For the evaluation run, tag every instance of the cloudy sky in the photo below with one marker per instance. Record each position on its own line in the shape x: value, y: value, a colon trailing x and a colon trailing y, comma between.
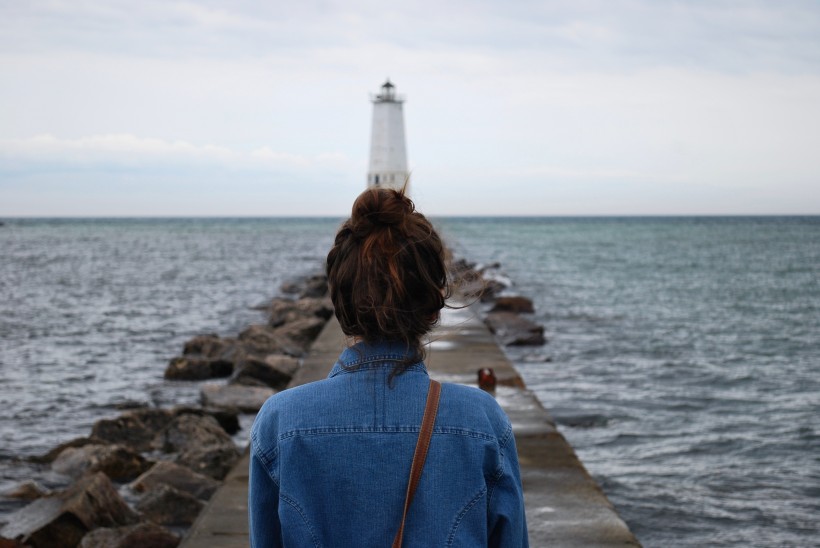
x: 588, y: 107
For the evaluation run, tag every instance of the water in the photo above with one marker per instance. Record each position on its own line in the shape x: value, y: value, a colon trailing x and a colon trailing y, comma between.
x: 684, y: 367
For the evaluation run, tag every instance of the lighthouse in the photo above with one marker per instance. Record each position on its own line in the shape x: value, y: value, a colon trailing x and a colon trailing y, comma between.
x: 388, y: 153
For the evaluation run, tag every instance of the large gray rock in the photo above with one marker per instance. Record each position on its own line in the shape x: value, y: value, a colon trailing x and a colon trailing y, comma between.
x: 213, y: 460
x: 61, y: 521
x: 227, y: 417
x: 197, y: 368
x: 55, y: 452
x: 177, y: 476
x: 189, y: 430
x: 513, y: 304
x: 142, y: 535
x: 154, y: 418
x: 202, y: 445
x: 513, y: 330
x: 115, y: 461
x: 127, y: 429
x: 263, y: 340
x: 248, y: 399
x: 282, y: 311
x: 168, y: 506
x: 301, y: 332
x: 209, y: 346
x: 315, y: 286
x: 28, y: 490
x: 273, y: 370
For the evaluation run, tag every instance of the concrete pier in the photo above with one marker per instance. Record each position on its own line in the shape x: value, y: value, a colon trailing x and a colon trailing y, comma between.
x: 565, y: 507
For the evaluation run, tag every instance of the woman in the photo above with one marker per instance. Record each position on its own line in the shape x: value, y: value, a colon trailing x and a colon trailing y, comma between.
x: 330, y: 460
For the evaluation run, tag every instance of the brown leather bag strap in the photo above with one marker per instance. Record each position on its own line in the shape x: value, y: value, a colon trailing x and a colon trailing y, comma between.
x: 420, y: 455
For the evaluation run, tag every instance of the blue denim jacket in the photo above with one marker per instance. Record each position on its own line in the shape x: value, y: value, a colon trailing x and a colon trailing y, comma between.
x: 330, y: 462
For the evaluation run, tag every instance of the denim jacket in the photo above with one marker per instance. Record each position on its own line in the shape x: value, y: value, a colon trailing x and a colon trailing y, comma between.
x: 330, y: 460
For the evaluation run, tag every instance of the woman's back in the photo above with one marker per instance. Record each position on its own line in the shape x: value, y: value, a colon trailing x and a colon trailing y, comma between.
x: 339, y: 453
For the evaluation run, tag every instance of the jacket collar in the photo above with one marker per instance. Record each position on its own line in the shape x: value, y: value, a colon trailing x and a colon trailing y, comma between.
x: 363, y: 356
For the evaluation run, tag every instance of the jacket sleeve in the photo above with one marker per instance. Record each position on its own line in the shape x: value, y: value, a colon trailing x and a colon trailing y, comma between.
x: 263, y: 501
x: 506, y: 520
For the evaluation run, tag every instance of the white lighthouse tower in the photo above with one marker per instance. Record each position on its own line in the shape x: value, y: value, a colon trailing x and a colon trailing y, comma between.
x: 388, y: 153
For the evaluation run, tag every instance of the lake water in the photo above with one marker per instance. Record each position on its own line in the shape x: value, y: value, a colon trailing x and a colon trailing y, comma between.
x: 684, y: 353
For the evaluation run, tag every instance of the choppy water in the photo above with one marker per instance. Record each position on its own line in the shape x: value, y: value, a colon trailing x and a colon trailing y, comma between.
x: 685, y: 352
x: 685, y: 365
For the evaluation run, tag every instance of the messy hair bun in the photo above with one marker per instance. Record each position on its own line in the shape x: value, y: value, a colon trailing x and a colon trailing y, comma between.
x: 386, y: 272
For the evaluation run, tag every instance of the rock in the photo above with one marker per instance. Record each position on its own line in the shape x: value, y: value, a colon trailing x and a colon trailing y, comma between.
x: 227, y: 417
x: 274, y: 370
x: 28, y: 490
x: 127, y: 429
x: 513, y: 330
x: 62, y: 520
x: 208, y: 346
x: 153, y: 418
x: 283, y: 311
x: 290, y: 287
x: 196, y: 368
x: 142, y: 535
x: 115, y: 461
x: 54, y: 453
x: 189, y: 430
x: 248, y: 381
x: 315, y: 286
x: 44, y: 524
x: 301, y: 332
x: 263, y: 340
x: 202, y: 445
x: 513, y: 304
x: 179, y: 477
x: 212, y: 461
x: 248, y: 399
x: 168, y: 506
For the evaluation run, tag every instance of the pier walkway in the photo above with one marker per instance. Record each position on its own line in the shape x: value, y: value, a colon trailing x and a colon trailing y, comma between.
x: 564, y: 505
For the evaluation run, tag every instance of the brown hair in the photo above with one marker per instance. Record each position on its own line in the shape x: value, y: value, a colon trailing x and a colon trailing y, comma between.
x: 386, y: 272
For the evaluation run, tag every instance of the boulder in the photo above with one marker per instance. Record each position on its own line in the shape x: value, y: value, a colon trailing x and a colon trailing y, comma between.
x: 227, y: 417
x: 154, y: 418
x: 263, y: 340
x: 127, y: 429
x: 197, y: 368
x: 301, y: 332
x: 62, y: 520
x: 208, y: 346
x: 202, y: 445
x: 142, y: 535
x: 189, y: 430
x: 54, y: 453
x: 315, y: 286
x: 214, y: 461
x: 168, y: 506
x: 179, y: 477
x: 115, y: 461
x: 283, y: 311
x: 248, y: 399
x: 28, y: 490
x: 274, y: 370
x: 513, y: 304
x: 291, y: 287
x: 513, y: 330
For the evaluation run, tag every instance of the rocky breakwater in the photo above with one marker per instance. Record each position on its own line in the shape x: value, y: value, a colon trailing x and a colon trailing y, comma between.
x: 141, y: 478
x: 507, y: 316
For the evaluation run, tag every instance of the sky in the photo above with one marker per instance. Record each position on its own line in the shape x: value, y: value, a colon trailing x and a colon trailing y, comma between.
x: 247, y: 108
